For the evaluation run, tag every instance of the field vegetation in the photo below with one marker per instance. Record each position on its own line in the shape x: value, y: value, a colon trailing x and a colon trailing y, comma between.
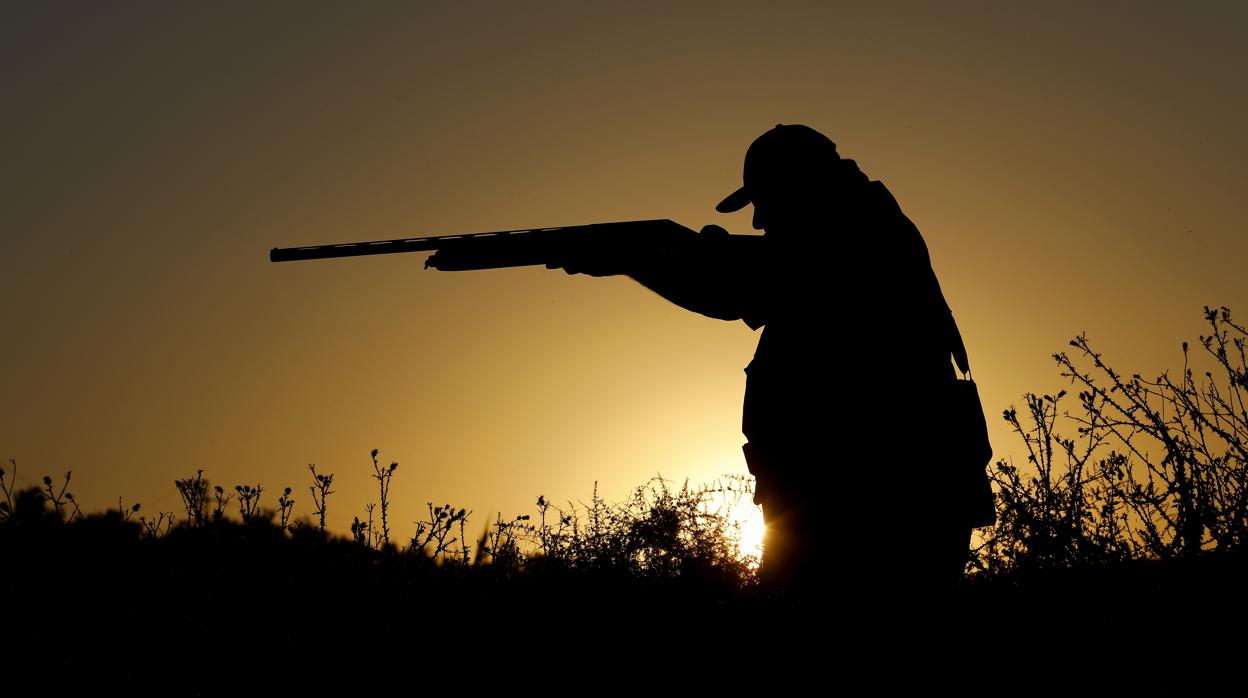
x: 1131, y: 503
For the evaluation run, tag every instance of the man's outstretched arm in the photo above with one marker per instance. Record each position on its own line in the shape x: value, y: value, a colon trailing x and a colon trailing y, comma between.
x: 711, y: 276
x: 716, y: 275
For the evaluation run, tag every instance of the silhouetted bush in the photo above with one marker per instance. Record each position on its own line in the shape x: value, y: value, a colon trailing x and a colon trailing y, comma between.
x: 1120, y: 502
x: 1142, y: 469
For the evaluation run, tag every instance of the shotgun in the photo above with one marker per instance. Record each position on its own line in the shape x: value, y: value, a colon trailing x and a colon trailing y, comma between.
x: 516, y: 248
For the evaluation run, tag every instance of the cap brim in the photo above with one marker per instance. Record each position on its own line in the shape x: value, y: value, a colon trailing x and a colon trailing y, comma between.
x: 736, y: 201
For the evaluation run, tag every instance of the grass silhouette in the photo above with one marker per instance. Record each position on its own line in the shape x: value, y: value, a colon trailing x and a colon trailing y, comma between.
x: 1134, y: 505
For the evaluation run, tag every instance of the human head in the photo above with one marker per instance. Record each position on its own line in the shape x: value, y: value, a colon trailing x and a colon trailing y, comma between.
x: 787, y: 174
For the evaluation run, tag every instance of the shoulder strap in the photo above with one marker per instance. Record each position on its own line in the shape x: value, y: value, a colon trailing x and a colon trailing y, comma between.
x: 957, y: 346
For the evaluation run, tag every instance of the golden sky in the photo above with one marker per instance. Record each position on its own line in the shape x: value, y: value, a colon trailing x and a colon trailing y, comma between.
x: 1073, y: 167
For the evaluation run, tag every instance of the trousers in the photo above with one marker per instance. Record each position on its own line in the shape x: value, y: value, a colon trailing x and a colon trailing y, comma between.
x: 840, y: 534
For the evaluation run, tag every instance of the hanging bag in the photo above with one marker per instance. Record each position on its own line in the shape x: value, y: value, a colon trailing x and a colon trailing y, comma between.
x: 969, y: 452
x: 966, y: 438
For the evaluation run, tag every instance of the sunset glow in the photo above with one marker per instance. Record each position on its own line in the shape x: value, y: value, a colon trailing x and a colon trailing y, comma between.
x: 1073, y: 168
x: 752, y: 530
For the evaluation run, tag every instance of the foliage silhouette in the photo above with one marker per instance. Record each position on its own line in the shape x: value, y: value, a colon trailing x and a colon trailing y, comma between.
x: 1154, y: 469
x: 1135, y: 498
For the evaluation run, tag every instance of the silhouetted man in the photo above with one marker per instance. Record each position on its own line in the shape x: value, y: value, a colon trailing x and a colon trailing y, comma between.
x: 844, y: 408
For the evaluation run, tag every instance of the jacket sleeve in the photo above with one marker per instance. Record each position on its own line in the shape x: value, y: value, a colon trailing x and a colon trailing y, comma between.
x: 716, y: 276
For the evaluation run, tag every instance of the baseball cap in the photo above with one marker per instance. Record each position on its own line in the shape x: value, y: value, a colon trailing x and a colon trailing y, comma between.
x: 787, y: 154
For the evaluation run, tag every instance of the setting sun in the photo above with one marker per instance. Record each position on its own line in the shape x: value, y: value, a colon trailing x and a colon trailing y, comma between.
x: 752, y: 530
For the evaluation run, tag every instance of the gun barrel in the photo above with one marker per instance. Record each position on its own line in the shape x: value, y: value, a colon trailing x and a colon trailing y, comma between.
x: 357, y: 249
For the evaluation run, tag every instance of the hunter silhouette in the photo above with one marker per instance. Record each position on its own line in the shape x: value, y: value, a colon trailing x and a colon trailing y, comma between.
x: 845, y: 401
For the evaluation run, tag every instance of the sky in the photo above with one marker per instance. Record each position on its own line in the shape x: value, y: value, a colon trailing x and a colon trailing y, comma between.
x: 1073, y: 167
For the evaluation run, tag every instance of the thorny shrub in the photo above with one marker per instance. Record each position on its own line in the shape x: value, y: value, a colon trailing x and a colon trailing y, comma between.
x: 1141, y: 469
